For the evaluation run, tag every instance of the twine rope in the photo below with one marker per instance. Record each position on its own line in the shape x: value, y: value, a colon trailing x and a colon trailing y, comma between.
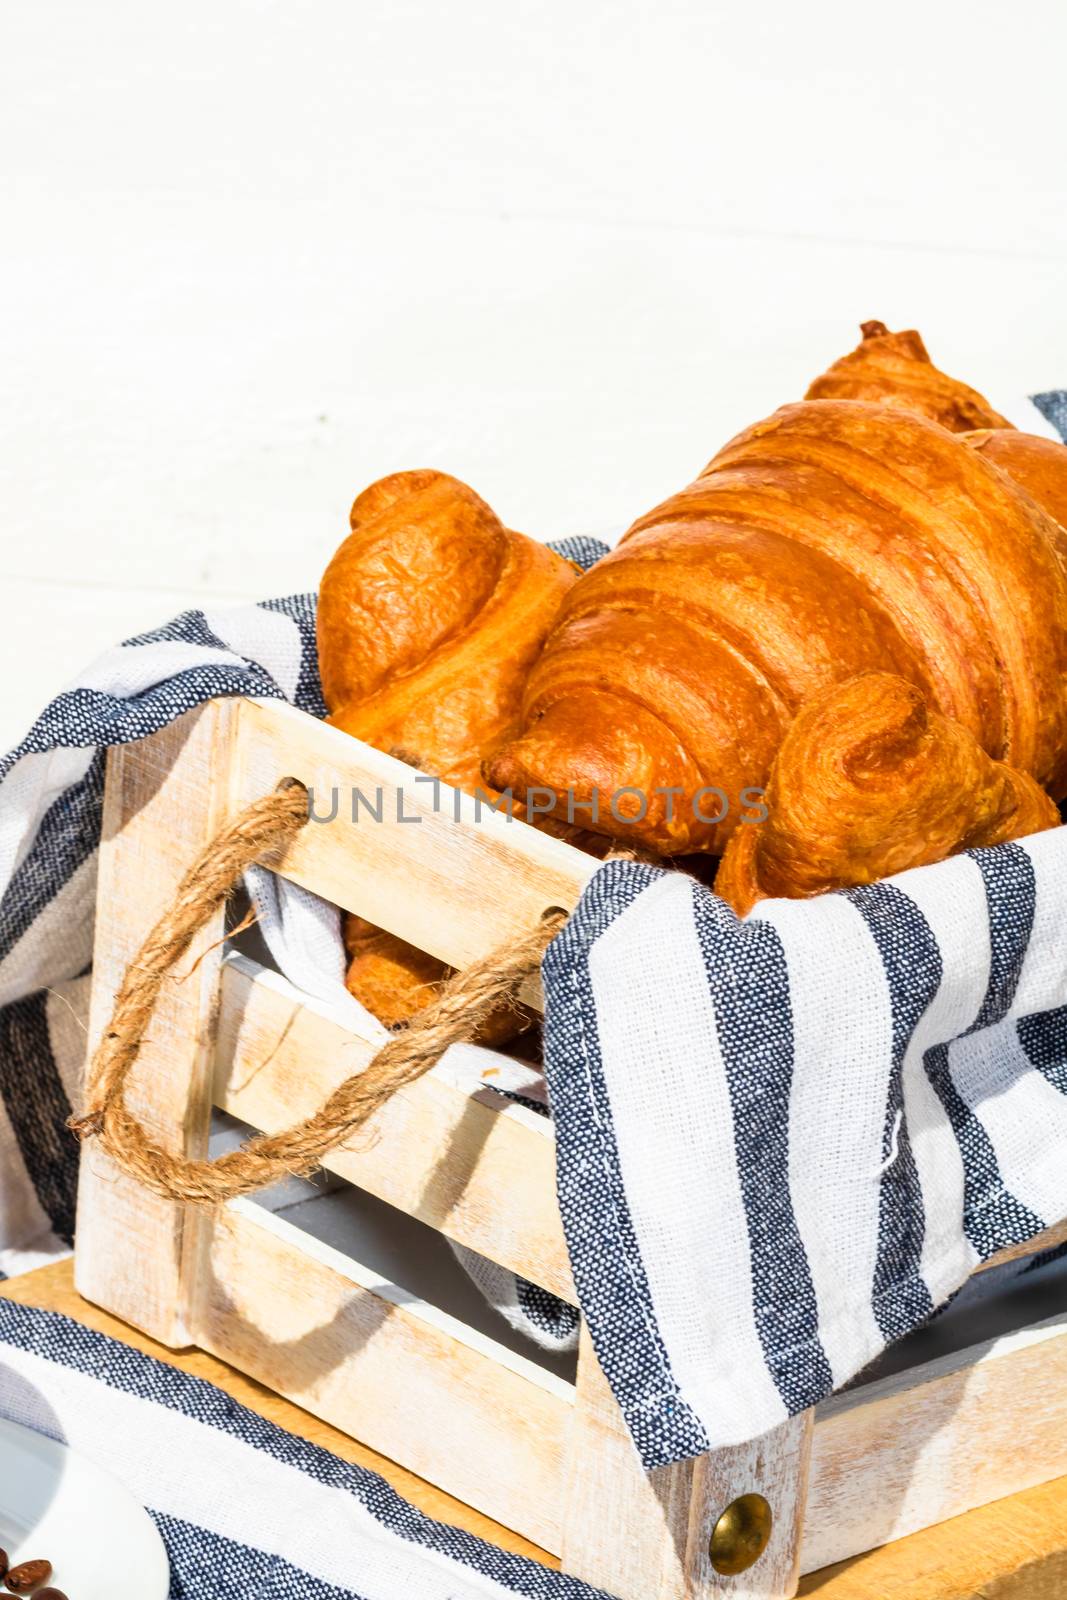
x: 259, y: 834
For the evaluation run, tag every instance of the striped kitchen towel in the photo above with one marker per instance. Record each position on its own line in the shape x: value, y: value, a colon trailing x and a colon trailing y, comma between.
x: 782, y: 1143
x: 244, y: 1509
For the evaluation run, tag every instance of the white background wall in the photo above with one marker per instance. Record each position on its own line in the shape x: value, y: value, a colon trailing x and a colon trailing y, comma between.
x: 256, y: 255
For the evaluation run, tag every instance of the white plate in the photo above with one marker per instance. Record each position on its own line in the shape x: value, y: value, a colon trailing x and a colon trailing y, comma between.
x: 57, y: 1504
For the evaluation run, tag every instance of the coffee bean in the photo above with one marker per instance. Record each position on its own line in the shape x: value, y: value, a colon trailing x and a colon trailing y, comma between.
x: 3, y: 1562
x: 26, y: 1577
x: 49, y: 1594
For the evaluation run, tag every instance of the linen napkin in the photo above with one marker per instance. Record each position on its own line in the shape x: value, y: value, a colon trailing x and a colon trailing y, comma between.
x: 244, y: 1508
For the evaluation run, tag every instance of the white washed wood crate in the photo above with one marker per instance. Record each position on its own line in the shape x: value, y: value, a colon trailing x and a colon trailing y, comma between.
x: 544, y: 1456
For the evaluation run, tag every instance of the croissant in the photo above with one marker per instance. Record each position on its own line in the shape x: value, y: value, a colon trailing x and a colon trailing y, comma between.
x: 429, y: 617
x: 869, y: 781
x: 836, y: 538
x: 1037, y: 465
x: 392, y: 978
x: 895, y: 368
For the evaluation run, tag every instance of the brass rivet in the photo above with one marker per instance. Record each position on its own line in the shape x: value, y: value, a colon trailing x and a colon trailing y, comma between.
x: 741, y: 1534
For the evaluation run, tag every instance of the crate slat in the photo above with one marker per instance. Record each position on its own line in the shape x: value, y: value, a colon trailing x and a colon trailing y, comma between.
x: 480, y: 1170
x: 406, y: 1379
x: 453, y: 879
x: 927, y: 1444
x: 165, y: 798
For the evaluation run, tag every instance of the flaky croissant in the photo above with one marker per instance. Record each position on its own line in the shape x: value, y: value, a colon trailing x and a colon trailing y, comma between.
x: 895, y: 368
x: 1037, y: 465
x: 429, y: 617
x: 836, y: 538
x: 392, y: 978
x: 869, y: 781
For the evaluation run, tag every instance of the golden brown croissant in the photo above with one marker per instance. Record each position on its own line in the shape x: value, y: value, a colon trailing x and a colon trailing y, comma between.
x: 429, y: 617
x: 392, y: 978
x: 836, y: 538
x: 1037, y: 465
x: 895, y: 368
x: 869, y: 781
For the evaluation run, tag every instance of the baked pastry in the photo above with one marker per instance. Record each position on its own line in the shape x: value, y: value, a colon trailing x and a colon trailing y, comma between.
x: 392, y: 978
x: 1037, y: 465
x: 836, y: 538
x: 869, y: 781
x: 429, y: 617
x: 895, y: 368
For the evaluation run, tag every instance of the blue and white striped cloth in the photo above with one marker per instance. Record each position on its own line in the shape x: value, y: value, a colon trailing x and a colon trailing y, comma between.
x: 246, y: 1511
x: 781, y: 1143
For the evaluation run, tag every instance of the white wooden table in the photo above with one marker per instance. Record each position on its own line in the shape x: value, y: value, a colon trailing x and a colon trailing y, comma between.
x: 256, y: 256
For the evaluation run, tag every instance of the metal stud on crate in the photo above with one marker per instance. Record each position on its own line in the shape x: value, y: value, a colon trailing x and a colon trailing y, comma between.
x: 546, y: 1456
x: 741, y: 1535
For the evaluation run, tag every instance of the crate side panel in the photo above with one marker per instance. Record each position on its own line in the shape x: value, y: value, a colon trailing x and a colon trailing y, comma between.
x: 469, y: 1164
x: 935, y: 1442
x: 370, y: 1365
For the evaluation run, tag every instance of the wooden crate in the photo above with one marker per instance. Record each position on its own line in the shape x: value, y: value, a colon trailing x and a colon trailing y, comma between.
x: 543, y: 1455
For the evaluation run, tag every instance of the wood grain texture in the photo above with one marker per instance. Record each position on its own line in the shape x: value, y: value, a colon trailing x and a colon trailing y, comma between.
x: 453, y: 877
x: 639, y: 1534
x: 165, y: 797
x: 922, y: 1446
x: 1014, y: 1549
x: 471, y: 1164
x: 445, y: 1401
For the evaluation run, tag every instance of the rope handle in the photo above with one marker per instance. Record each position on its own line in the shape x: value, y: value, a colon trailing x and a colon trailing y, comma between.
x: 258, y: 835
